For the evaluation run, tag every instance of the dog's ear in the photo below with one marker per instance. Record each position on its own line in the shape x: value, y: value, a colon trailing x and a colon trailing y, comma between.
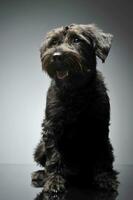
x: 103, y: 45
x: 102, y: 41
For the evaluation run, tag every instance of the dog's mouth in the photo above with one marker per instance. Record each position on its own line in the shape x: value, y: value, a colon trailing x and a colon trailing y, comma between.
x: 62, y: 74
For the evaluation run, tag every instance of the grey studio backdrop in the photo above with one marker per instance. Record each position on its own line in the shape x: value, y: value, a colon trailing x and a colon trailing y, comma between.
x: 23, y: 86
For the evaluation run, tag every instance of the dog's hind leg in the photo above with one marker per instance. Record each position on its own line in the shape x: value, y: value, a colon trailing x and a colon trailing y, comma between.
x: 105, y: 177
x: 107, y: 181
x: 40, y: 153
x: 38, y: 177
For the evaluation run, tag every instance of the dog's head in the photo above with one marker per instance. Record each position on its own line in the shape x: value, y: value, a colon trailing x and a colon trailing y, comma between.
x: 71, y: 51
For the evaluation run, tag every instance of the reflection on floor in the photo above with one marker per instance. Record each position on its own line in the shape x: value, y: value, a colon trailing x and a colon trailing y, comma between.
x: 75, y: 194
x: 15, y: 184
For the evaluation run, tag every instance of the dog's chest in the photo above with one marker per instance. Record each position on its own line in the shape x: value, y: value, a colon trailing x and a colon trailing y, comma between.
x: 77, y: 121
x: 77, y: 108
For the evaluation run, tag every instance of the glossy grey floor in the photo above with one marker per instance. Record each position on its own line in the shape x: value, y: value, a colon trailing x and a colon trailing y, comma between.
x: 15, y: 184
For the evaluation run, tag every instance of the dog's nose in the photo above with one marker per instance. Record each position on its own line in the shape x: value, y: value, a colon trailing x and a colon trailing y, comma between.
x: 57, y: 56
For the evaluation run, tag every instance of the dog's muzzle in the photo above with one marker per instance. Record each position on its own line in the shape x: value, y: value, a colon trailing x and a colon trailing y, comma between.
x: 58, y: 60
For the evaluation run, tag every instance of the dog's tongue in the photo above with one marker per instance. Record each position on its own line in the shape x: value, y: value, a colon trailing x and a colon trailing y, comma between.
x: 62, y: 74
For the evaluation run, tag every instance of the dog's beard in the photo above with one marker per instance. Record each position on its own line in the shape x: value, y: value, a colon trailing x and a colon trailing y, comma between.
x: 62, y: 74
x: 70, y: 65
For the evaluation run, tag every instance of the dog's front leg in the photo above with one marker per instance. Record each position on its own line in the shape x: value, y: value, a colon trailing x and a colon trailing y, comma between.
x: 54, y: 180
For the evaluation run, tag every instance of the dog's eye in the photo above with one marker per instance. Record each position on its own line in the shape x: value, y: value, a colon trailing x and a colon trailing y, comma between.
x: 53, y: 42
x: 76, y: 40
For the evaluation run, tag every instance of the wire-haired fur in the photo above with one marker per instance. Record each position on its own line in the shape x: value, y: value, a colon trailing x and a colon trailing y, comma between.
x: 75, y: 145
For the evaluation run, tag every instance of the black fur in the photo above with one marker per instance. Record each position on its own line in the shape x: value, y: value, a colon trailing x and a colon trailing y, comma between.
x: 75, y: 145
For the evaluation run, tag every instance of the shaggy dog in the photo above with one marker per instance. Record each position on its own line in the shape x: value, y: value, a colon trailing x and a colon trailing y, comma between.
x: 75, y: 145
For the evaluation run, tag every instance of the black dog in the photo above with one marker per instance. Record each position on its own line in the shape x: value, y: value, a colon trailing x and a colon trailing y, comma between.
x: 75, y: 145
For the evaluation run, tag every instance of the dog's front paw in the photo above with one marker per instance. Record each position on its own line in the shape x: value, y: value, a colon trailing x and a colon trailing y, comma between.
x: 54, y: 184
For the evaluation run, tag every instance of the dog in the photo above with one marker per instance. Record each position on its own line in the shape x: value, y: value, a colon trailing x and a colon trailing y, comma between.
x: 75, y: 146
